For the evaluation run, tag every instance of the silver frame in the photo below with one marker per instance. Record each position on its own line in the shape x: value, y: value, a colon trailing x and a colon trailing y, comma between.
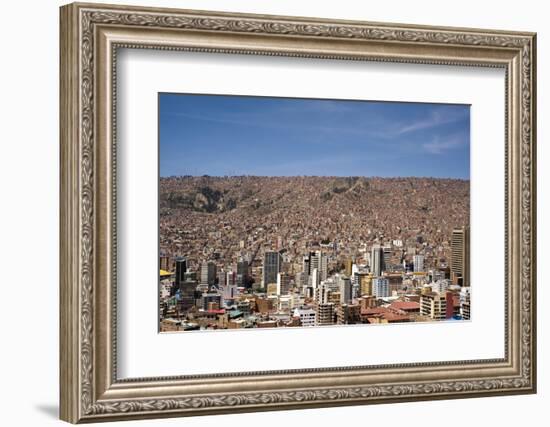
x: 90, y: 37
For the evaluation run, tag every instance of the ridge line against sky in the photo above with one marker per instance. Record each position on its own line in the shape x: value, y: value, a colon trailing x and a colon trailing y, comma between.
x: 311, y: 176
x: 219, y: 135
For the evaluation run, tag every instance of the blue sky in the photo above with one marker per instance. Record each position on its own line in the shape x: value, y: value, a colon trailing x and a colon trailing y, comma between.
x: 268, y: 136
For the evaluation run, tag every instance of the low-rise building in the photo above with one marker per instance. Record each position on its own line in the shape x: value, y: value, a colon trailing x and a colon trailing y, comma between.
x: 307, y: 316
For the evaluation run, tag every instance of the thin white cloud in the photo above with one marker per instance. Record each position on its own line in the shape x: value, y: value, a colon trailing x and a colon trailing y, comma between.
x: 435, y: 119
x: 439, y: 146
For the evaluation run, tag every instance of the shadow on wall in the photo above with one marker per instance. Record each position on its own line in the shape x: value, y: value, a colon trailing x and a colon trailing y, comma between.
x: 49, y: 410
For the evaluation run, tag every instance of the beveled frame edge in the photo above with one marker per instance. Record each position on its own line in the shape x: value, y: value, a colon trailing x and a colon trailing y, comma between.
x: 88, y: 392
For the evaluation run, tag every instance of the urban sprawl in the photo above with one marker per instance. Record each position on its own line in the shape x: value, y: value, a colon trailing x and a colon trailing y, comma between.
x: 266, y: 252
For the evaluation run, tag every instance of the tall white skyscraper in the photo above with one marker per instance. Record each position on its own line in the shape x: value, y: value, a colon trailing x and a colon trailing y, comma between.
x: 208, y: 273
x: 319, y: 261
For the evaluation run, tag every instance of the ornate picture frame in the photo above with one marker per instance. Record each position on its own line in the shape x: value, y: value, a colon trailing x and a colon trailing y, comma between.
x: 90, y: 37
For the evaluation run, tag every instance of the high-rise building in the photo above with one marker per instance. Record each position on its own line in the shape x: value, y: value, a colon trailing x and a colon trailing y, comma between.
x: 166, y: 263
x: 381, y: 287
x: 208, y: 273
x: 305, y: 265
x: 222, y: 278
x: 377, y: 260
x: 365, y: 282
x: 316, y: 260
x: 355, y: 290
x: 313, y: 280
x: 231, y: 278
x: 348, y: 265
x: 345, y: 290
x: 418, y: 262
x: 181, y: 268
x: 229, y: 292
x: 243, y: 273
x: 301, y: 279
x: 386, y: 250
x: 272, y: 266
x: 186, y: 295
x: 283, y: 283
x: 319, y: 261
x: 460, y: 256
x: 322, y: 293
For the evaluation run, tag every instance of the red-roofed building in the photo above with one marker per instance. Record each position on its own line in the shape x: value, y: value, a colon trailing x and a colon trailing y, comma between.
x: 384, y: 315
x: 406, y: 306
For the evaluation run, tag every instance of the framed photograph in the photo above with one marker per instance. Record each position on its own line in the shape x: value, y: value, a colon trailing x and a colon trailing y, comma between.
x: 266, y: 213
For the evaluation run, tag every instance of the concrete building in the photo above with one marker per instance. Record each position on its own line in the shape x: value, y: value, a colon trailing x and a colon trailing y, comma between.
x: 208, y: 273
x: 301, y: 279
x: 231, y: 278
x: 229, y: 292
x: 465, y: 303
x: 315, y: 260
x: 365, y: 282
x: 271, y: 289
x: 381, y: 287
x: 285, y: 303
x: 325, y: 314
x: 440, y: 286
x: 348, y: 265
x: 166, y: 263
x: 322, y: 293
x: 319, y: 261
x: 433, y: 305
x: 418, y: 263
x: 348, y: 314
x: 307, y: 316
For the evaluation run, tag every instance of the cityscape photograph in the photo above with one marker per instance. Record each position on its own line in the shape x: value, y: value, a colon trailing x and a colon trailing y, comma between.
x: 297, y: 212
